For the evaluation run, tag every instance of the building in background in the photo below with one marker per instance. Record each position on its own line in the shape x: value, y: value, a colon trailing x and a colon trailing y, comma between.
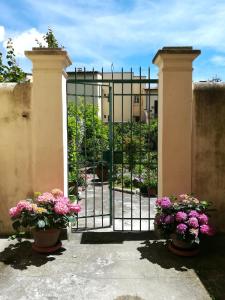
x: 133, y: 101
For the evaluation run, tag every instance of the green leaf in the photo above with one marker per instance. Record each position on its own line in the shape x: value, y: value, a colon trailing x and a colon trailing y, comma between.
x: 16, y: 225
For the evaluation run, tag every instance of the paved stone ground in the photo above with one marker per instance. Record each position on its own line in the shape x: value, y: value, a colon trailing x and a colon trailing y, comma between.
x: 95, y: 201
x: 112, y: 266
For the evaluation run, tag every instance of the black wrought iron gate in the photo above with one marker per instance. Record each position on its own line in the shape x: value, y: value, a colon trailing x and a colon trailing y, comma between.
x: 112, y: 142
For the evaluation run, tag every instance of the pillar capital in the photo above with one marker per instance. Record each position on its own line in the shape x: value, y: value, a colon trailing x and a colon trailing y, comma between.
x: 49, y: 59
x: 181, y: 53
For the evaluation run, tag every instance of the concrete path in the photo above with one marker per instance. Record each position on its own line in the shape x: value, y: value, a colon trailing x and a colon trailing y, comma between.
x: 111, y: 266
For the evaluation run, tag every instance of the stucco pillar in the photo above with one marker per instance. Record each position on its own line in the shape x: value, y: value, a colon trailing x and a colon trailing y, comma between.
x: 49, y: 119
x: 174, y: 119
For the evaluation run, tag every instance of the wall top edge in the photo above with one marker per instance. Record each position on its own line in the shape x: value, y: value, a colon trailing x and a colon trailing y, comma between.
x: 176, y: 50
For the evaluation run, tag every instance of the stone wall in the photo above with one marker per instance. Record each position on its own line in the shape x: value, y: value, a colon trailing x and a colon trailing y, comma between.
x: 208, y: 159
x: 15, y: 148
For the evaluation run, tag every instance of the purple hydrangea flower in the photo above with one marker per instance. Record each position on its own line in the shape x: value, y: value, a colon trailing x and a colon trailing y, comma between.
x: 165, y: 202
x: 181, y: 228
x: 193, y: 222
x: 169, y: 219
x: 203, y: 219
x: 193, y: 213
x: 206, y: 229
x: 181, y: 216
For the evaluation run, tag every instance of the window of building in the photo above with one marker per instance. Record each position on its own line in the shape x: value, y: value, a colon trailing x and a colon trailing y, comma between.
x: 136, y: 98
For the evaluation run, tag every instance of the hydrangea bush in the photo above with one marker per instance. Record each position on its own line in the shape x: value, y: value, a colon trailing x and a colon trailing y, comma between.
x: 184, y: 216
x: 45, y: 211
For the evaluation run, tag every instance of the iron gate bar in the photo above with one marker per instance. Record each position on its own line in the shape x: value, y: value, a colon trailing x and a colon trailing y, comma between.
x: 131, y: 116
x: 122, y: 156
x: 93, y: 120
x: 140, y: 145
x: 113, y: 81
x: 102, y: 153
x: 149, y: 103
x: 85, y: 145
x: 111, y: 149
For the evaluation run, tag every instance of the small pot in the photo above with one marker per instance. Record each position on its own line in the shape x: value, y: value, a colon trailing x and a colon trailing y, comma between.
x: 102, y: 173
x: 152, y: 191
x: 46, y: 238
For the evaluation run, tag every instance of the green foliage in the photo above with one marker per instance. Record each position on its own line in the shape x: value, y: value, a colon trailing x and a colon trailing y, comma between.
x: 50, y: 40
x: 153, y: 134
x: 126, y: 181
x: 10, y: 72
x: 87, y: 139
x: 95, y: 134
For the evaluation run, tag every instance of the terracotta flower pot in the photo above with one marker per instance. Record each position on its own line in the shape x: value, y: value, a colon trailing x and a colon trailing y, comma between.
x: 152, y: 191
x: 102, y: 173
x: 46, y: 240
x: 182, y: 247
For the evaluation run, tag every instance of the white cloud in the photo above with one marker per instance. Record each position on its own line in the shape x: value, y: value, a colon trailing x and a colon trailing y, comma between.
x: 2, y: 33
x: 101, y: 32
x: 25, y: 41
x: 218, y: 60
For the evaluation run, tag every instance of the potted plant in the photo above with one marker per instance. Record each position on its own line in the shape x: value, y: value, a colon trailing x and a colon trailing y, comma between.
x: 183, y: 220
x: 149, y: 185
x: 152, y: 186
x: 45, y: 215
x: 102, y: 171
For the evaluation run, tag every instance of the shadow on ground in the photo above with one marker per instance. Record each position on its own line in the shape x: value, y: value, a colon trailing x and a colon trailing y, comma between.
x: 20, y: 256
x: 209, y: 264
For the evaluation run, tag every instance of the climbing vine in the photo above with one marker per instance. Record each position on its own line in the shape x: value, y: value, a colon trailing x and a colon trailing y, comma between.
x: 10, y: 72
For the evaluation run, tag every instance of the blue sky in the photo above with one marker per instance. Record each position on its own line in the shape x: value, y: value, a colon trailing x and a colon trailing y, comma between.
x: 126, y: 33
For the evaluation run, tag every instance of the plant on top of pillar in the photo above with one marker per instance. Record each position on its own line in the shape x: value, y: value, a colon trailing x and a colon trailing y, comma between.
x: 49, y: 40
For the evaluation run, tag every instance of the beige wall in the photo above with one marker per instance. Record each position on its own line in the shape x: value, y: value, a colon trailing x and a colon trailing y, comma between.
x: 208, y: 162
x: 15, y: 148
x: 33, y: 144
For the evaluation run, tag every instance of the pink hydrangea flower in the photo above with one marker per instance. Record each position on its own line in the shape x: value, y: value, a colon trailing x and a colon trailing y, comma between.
x: 193, y: 222
x: 193, y: 213
x: 24, y: 205
x: 74, y: 208
x: 165, y: 202
x: 57, y: 193
x: 181, y: 228
x: 206, y: 229
x: 169, y: 219
x: 181, y: 216
x: 14, y: 212
x: 46, y: 198
x: 203, y: 219
x: 63, y: 200
x: 183, y: 196
x: 61, y: 208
